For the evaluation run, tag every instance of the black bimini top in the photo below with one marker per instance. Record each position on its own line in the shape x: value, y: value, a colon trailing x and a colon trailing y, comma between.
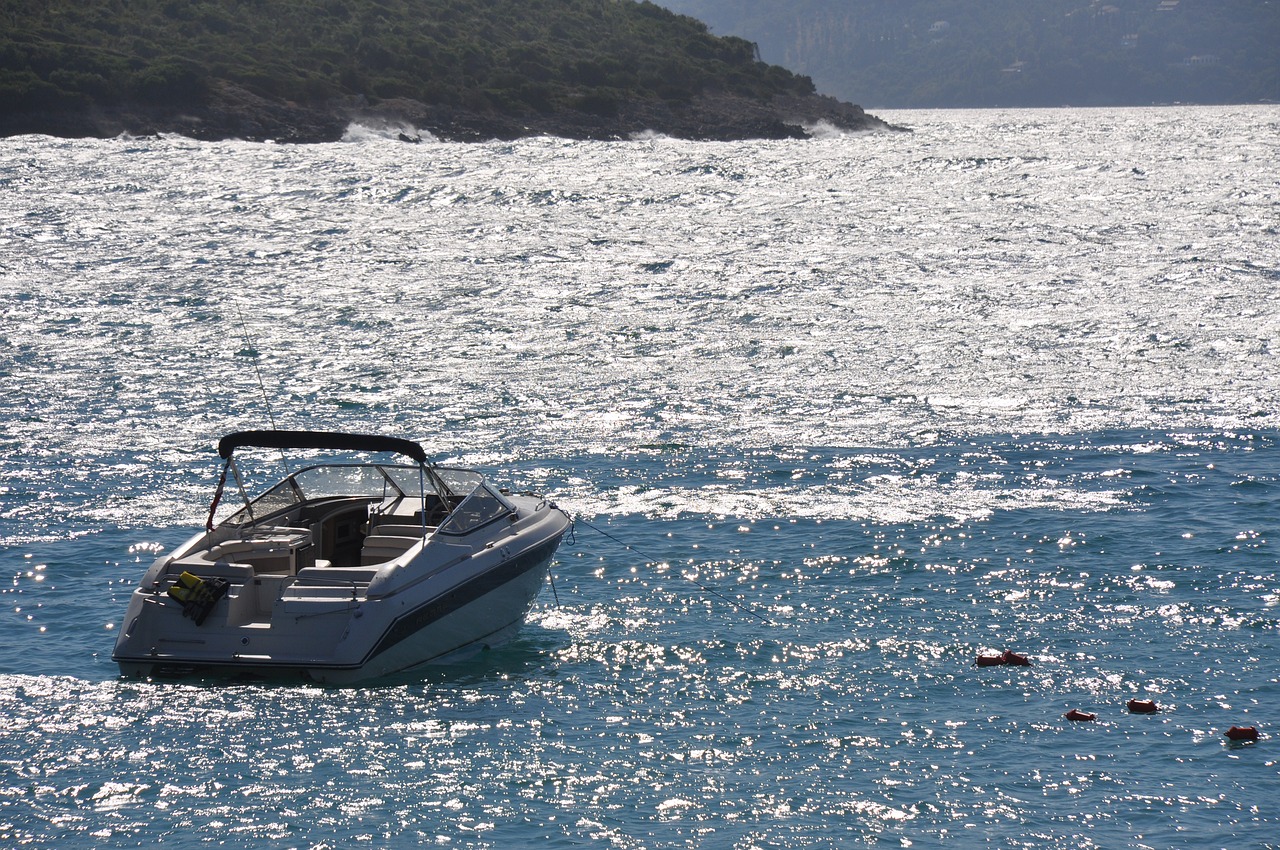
x: 330, y: 440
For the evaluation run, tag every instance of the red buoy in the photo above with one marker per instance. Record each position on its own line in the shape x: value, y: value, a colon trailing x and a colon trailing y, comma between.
x: 1076, y: 714
x: 1242, y: 733
x: 1143, y: 706
x: 1014, y: 659
x: 1006, y: 658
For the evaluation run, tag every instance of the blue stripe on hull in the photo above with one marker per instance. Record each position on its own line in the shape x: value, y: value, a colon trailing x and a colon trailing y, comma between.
x: 409, y: 624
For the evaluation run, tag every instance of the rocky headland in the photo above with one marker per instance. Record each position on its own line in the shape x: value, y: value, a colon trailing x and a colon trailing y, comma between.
x: 459, y: 70
x: 232, y: 111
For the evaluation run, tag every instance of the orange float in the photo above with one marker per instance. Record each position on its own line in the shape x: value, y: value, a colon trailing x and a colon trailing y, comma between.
x: 1142, y: 706
x: 1242, y: 733
x: 1006, y: 658
x: 1076, y: 715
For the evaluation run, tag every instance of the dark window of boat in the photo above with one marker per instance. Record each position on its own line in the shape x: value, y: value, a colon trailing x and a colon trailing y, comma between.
x: 481, y: 508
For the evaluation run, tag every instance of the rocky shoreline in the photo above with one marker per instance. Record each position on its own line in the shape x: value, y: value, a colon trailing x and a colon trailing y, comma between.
x: 233, y: 112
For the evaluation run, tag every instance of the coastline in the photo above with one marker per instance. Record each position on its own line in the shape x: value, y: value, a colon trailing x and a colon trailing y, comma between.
x: 231, y: 111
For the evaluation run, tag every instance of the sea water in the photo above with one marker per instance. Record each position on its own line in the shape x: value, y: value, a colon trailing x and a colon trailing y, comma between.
x: 835, y: 417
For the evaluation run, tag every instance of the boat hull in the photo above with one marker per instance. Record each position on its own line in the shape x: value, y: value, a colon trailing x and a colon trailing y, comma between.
x: 478, y: 614
x: 342, y: 636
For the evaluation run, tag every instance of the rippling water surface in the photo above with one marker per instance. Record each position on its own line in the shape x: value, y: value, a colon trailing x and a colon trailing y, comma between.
x: 836, y: 417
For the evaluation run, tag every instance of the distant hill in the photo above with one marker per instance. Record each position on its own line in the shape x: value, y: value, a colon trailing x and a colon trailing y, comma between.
x: 301, y: 70
x: 956, y: 53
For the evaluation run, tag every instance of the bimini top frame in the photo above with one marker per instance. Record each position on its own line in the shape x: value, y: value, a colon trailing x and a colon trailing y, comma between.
x: 324, y: 440
x: 329, y: 440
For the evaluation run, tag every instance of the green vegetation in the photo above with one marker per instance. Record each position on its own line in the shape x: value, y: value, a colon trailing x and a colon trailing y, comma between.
x: 945, y: 53
x: 510, y: 57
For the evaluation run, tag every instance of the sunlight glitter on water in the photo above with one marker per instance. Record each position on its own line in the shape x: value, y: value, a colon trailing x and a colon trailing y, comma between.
x: 851, y: 413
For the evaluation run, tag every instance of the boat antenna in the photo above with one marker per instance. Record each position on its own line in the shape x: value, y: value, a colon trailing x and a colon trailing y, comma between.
x: 252, y: 350
x: 746, y: 608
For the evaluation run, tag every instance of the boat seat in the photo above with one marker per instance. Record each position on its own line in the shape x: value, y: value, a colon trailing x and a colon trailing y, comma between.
x: 265, y: 548
x: 336, y: 575
x: 379, y: 548
x: 276, y: 531
x: 395, y: 529
x: 211, y: 569
x: 263, y: 540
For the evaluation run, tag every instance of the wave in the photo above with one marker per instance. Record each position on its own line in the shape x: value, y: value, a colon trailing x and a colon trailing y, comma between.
x: 358, y: 133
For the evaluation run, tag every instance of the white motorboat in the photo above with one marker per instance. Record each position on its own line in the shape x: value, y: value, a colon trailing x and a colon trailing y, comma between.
x: 343, y: 571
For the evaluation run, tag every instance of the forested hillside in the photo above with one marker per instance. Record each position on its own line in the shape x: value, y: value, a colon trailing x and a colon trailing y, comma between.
x: 940, y: 53
x: 299, y: 68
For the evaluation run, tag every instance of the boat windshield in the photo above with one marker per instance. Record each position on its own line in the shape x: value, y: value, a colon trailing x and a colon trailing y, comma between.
x: 371, y: 481
x: 334, y: 480
x: 482, y: 507
x: 459, y: 481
